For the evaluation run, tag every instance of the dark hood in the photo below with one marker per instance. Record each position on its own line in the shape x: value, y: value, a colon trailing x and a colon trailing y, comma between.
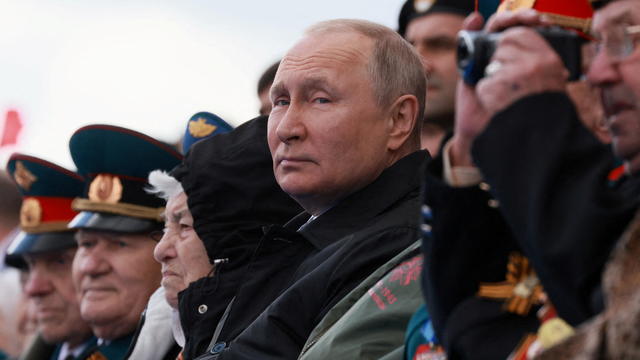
x: 230, y: 185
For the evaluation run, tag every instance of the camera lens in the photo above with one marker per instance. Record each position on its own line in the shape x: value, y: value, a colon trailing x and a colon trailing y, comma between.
x: 465, y: 49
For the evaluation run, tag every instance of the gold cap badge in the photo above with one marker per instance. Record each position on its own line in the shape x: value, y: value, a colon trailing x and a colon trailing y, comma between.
x: 199, y: 128
x: 513, y: 5
x: 30, y: 213
x: 105, y: 189
x: 23, y: 176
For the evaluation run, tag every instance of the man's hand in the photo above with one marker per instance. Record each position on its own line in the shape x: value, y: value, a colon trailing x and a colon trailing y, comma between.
x: 471, y: 117
x: 528, y: 65
x: 524, y: 64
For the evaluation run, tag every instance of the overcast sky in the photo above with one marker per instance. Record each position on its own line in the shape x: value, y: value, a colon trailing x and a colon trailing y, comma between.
x: 146, y: 65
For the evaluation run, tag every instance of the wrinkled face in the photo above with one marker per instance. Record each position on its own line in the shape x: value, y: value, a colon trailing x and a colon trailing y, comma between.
x: 55, y: 305
x: 327, y: 134
x: 114, y: 274
x: 435, y: 38
x: 180, y: 251
x: 619, y: 78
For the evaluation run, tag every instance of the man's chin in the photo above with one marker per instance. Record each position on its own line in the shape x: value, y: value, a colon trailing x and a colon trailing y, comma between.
x: 53, y: 334
x: 99, y: 312
x: 172, y: 299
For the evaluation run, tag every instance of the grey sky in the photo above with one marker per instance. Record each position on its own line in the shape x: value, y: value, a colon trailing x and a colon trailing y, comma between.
x: 146, y: 65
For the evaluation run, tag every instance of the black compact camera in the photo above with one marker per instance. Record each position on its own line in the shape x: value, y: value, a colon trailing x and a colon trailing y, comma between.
x: 475, y: 49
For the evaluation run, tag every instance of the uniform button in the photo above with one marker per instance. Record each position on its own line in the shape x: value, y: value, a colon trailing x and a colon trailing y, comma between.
x: 217, y: 348
x: 202, y: 309
x: 484, y: 186
x: 493, y: 203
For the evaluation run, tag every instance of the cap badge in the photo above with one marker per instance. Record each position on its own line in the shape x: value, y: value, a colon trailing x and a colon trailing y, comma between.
x: 30, y: 213
x: 23, y: 176
x: 199, y: 128
x: 421, y: 6
x: 513, y: 5
x: 105, y: 189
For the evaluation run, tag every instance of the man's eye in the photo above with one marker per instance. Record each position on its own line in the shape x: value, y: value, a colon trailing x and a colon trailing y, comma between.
x: 184, y: 227
x: 122, y: 243
x: 281, y: 102
x: 322, y: 100
x: 86, y: 244
x: 440, y: 44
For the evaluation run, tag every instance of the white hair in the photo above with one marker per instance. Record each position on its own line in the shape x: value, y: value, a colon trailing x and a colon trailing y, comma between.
x: 163, y: 185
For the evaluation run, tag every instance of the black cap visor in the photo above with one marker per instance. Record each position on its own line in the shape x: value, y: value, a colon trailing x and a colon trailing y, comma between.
x: 28, y: 243
x: 89, y: 220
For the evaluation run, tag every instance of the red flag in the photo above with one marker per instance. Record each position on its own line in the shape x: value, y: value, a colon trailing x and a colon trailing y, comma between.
x: 12, y: 127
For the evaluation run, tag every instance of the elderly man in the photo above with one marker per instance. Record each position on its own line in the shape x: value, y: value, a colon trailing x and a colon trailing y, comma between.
x: 344, y: 79
x: 47, y: 247
x: 558, y: 167
x: 114, y: 271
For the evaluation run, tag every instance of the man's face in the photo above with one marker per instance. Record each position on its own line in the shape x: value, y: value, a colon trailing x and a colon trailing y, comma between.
x: 55, y: 305
x: 435, y: 38
x: 180, y: 251
x: 114, y: 275
x: 327, y: 135
x: 619, y: 78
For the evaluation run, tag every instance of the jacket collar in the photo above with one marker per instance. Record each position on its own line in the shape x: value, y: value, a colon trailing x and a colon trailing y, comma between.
x: 357, y: 210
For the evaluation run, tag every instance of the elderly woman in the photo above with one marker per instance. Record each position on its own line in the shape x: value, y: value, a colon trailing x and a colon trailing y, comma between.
x: 220, y: 201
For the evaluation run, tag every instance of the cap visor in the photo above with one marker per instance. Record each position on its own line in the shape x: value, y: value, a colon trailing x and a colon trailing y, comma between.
x: 110, y: 222
x: 27, y: 243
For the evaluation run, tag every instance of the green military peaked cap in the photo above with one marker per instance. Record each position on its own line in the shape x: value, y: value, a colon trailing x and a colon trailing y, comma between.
x: 47, y: 193
x: 116, y: 163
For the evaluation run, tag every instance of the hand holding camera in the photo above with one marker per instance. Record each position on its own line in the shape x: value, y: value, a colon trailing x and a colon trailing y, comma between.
x: 522, y: 62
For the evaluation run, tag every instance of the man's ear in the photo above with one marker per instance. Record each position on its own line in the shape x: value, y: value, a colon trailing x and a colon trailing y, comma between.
x: 402, y: 121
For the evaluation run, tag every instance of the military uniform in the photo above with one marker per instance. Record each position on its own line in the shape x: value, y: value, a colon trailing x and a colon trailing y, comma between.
x: 116, y: 163
x: 47, y: 191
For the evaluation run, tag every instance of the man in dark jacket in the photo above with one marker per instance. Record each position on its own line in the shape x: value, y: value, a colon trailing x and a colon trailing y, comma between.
x: 344, y: 137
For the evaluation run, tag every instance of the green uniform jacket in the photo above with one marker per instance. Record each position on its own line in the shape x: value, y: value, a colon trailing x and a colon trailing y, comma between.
x: 371, y: 321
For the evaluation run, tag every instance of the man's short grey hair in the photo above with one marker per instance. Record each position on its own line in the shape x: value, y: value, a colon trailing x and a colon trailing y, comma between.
x: 395, y: 67
x: 163, y: 185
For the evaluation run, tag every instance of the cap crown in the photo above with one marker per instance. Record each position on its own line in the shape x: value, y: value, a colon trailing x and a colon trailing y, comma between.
x: 116, y: 163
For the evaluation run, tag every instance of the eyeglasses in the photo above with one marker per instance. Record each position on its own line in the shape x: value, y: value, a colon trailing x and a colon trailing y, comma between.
x: 618, y: 43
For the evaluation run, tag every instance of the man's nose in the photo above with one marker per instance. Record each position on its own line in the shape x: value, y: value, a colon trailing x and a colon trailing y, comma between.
x: 165, y: 248
x: 94, y: 262
x: 291, y: 125
x: 603, y: 70
x: 38, y: 283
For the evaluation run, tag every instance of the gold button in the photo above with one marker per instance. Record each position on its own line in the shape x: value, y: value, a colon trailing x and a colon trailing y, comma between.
x: 484, y: 186
x: 493, y: 203
x: 202, y: 309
